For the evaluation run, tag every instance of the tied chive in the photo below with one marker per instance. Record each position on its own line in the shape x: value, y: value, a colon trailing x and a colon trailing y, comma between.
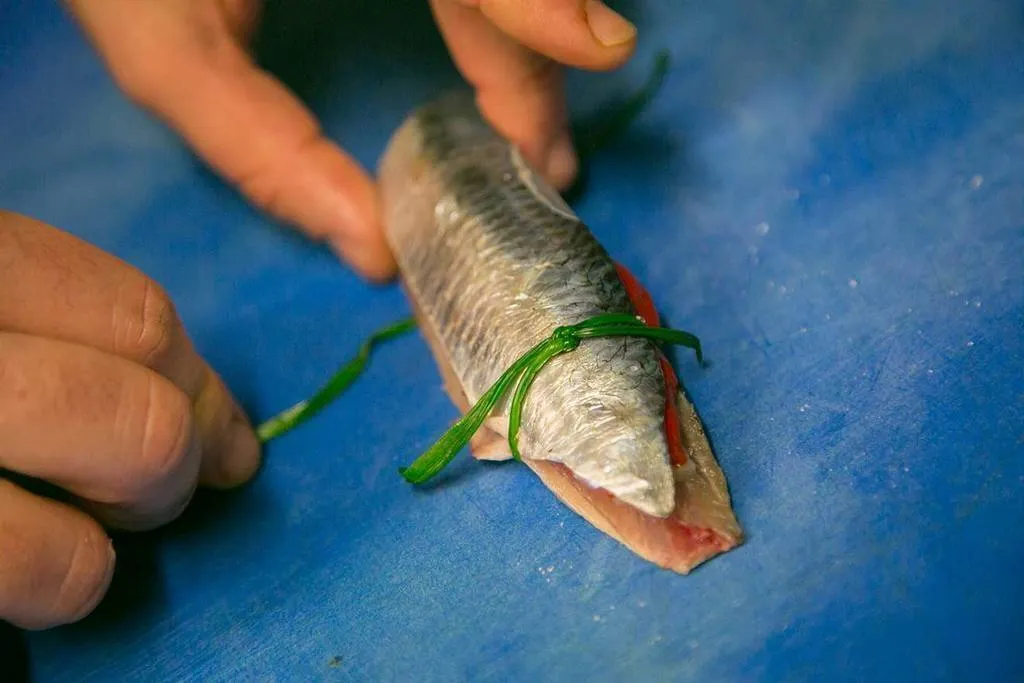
x: 303, y: 410
x: 522, y: 373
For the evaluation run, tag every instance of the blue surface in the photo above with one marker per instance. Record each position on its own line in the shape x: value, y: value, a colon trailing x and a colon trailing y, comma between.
x: 830, y: 193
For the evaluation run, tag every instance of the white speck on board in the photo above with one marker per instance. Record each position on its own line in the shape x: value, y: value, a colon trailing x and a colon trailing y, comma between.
x: 976, y: 182
x: 970, y: 344
x: 853, y: 283
x: 762, y: 228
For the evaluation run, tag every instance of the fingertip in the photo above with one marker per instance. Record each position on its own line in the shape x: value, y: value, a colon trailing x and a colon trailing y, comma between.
x: 231, y: 452
x: 372, y: 260
x: 242, y: 456
x: 584, y: 34
x: 534, y: 119
x: 56, y: 562
x: 96, y: 588
x: 609, y: 28
x: 328, y: 195
x: 562, y: 163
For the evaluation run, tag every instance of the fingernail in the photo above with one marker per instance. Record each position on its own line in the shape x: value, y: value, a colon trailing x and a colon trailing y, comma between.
x: 562, y: 162
x: 242, y: 453
x: 608, y: 26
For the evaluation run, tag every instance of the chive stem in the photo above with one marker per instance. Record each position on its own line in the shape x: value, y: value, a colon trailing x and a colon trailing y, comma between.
x: 292, y: 417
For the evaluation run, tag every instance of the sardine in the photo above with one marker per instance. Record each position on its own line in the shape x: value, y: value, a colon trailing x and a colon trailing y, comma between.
x: 493, y: 260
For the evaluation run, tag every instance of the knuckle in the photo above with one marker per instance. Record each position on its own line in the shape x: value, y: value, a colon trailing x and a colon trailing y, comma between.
x: 146, y: 330
x: 166, y: 435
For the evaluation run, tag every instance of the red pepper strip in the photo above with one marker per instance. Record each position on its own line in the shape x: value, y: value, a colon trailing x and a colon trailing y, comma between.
x: 644, y: 305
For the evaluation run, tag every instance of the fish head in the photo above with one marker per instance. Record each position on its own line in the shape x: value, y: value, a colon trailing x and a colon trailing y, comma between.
x: 609, y: 437
x: 634, y: 468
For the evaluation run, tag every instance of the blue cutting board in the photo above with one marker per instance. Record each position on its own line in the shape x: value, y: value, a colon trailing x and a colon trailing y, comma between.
x: 830, y: 193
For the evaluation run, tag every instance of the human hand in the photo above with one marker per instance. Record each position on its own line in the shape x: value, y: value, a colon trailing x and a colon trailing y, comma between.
x: 103, y: 395
x: 187, y: 62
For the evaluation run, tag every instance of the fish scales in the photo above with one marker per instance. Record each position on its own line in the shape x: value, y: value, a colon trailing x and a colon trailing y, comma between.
x: 495, y: 262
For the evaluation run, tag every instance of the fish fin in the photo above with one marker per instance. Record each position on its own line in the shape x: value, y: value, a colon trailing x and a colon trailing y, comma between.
x: 701, y: 526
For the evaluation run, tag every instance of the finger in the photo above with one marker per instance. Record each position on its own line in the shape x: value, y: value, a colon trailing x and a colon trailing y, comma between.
x: 182, y: 61
x: 55, y: 562
x: 58, y: 286
x: 116, y: 435
x: 519, y: 90
x: 581, y: 33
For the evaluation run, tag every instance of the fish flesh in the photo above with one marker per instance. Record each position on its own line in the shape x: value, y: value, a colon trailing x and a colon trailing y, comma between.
x: 493, y: 260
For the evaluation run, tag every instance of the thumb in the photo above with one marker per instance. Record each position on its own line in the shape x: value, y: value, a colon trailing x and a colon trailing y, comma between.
x: 182, y: 61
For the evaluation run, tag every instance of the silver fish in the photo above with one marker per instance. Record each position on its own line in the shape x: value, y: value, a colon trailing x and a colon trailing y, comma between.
x: 493, y: 261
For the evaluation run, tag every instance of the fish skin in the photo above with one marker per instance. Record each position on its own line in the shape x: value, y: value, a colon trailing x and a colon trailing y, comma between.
x: 494, y: 261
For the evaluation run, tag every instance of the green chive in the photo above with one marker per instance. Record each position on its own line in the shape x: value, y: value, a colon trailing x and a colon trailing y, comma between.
x: 303, y: 410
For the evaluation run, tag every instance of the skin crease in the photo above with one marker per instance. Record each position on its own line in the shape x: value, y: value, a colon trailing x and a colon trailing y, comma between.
x: 101, y: 390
